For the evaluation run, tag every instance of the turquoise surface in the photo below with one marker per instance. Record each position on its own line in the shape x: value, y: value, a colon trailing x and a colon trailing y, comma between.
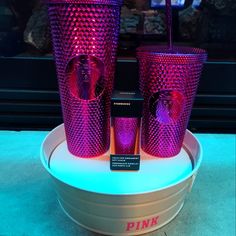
x: 28, y: 204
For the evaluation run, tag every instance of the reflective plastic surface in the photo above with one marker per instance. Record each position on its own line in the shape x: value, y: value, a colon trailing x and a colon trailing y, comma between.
x: 168, y: 82
x: 85, y: 39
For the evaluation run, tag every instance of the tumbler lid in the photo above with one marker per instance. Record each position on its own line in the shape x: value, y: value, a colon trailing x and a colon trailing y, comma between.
x: 98, y: 2
x: 180, y: 55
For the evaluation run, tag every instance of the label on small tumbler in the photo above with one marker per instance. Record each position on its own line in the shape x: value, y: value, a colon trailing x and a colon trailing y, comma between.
x: 124, y: 162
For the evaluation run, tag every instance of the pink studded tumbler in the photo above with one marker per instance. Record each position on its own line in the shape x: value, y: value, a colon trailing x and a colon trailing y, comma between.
x: 85, y: 36
x: 168, y: 82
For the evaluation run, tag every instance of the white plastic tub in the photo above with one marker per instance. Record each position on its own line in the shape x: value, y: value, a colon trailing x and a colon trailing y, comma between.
x: 120, y: 202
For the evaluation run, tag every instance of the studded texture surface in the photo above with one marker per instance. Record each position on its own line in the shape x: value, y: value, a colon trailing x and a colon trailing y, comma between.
x: 125, y: 132
x: 90, y: 30
x: 168, y: 82
x: 101, y: 2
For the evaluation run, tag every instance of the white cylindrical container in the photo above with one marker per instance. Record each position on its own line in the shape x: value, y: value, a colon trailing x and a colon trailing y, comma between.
x: 120, y: 202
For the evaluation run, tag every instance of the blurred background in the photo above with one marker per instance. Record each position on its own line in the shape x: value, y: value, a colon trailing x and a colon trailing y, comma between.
x: 24, y: 27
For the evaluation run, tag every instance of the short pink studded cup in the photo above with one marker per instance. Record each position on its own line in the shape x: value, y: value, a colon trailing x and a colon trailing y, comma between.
x: 168, y: 82
x: 85, y: 36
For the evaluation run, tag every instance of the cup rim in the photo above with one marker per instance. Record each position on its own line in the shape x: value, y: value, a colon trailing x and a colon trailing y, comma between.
x: 179, y: 54
x: 98, y: 2
x: 177, y: 50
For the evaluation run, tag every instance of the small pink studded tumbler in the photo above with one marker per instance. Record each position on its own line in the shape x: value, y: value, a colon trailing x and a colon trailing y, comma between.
x: 85, y: 36
x: 168, y: 82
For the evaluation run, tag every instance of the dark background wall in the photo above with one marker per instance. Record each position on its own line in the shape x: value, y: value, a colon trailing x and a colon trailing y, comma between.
x: 29, y: 96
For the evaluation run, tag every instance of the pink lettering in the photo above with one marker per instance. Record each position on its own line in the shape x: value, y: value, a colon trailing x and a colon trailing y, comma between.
x: 145, y: 224
x: 154, y: 221
x: 138, y: 225
x: 130, y: 225
x: 142, y: 224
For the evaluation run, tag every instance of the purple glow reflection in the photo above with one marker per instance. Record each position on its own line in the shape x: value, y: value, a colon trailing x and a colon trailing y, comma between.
x: 125, y: 133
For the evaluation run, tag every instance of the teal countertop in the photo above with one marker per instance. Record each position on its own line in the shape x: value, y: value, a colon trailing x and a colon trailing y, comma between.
x: 28, y: 204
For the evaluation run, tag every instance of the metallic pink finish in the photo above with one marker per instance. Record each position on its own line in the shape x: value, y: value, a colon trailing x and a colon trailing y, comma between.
x: 85, y: 36
x: 168, y: 82
x: 100, y: 2
x: 125, y: 134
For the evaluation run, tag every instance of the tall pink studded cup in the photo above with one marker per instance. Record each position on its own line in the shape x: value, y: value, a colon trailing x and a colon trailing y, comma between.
x: 168, y: 82
x: 85, y: 36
